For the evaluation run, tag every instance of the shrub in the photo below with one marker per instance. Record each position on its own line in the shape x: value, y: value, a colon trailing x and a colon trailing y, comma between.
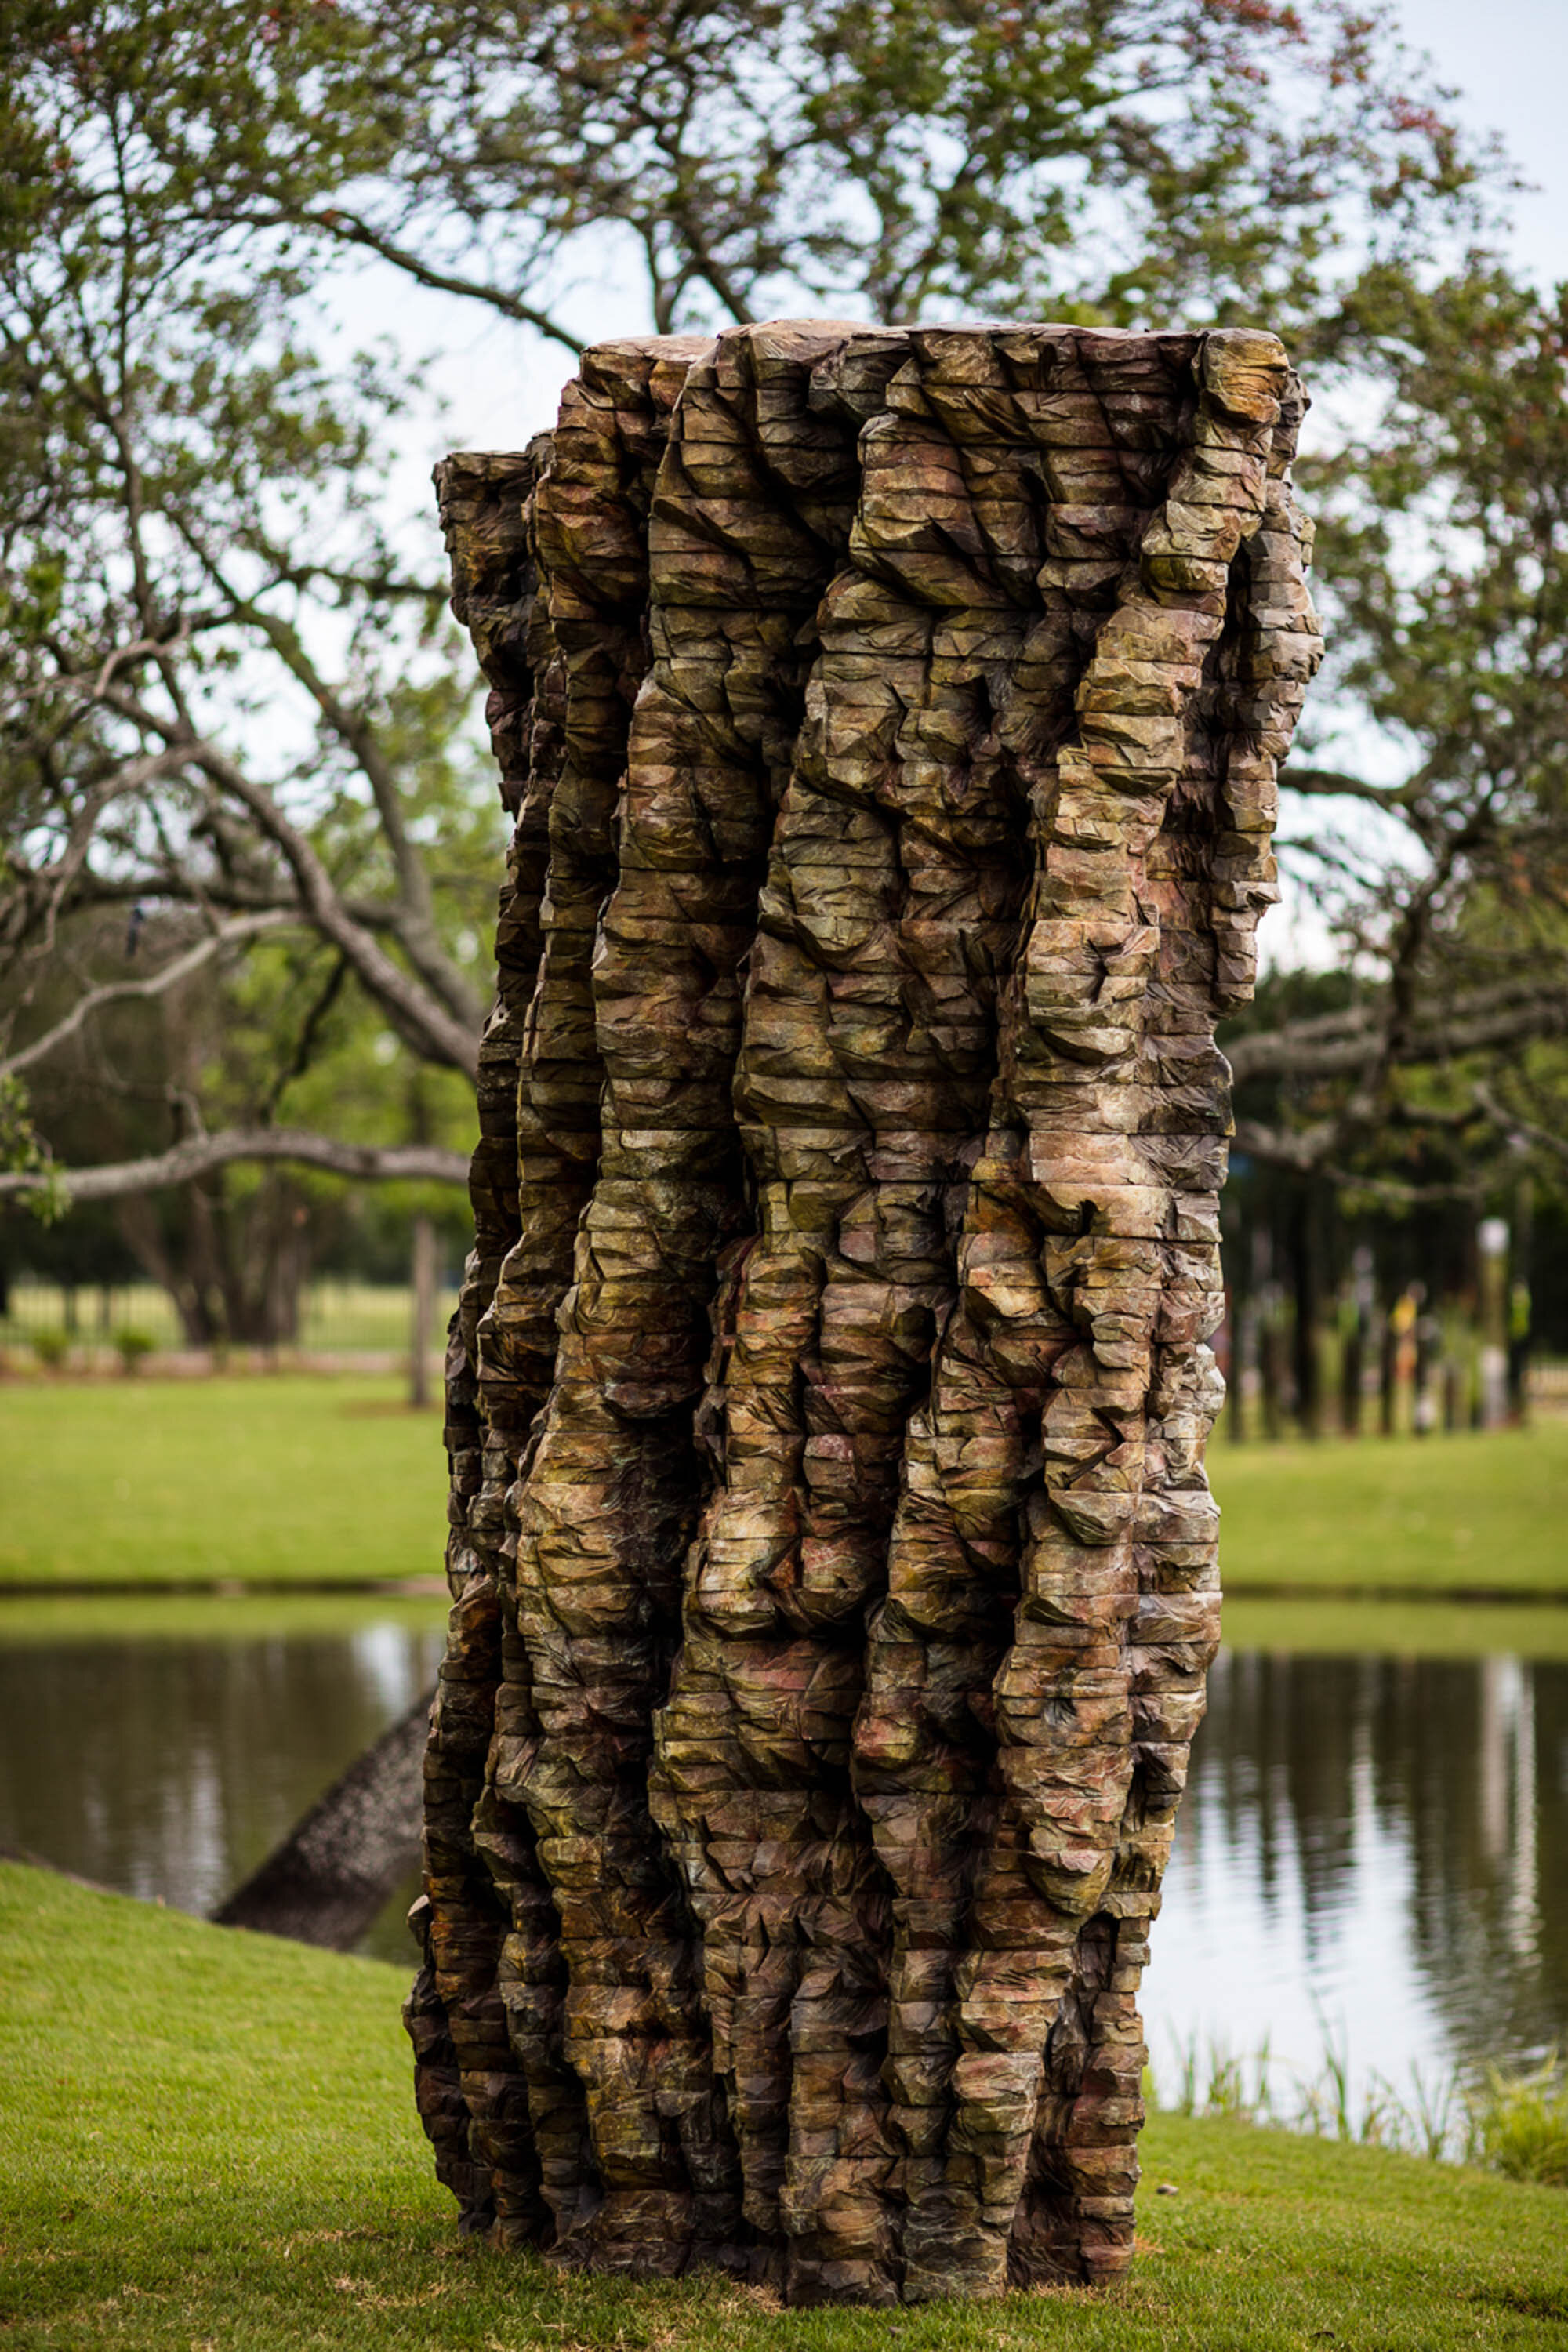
x: 51, y: 1348
x: 1522, y: 2124
x: 130, y: 1346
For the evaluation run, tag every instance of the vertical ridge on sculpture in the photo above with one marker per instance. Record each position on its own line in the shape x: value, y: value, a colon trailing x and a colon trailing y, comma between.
x: 588, y: 519
x: 464, y: 2061
x: 839, y: 1571
x: 607, y: 1508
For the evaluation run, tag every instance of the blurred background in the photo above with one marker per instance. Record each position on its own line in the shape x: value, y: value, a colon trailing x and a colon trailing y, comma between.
x: 259, y: 268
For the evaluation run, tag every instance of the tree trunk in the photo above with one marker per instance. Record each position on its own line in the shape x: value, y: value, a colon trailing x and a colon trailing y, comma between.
x: 138, y: 1221
x: 833, y: 1563
x: 1453, y: 1395
x: 1238, y: 1313
x: 234, y: 1269
x: 1353, y: 1361
x: 1387, y: 1373
x: 1306, y: 1278
x: 1428, y: 1370
x: 422, y: 1317
x: 1492, y: 1240
x: 1519, y: 1301
x: 330, y: 1877
x: 1271, y: 1373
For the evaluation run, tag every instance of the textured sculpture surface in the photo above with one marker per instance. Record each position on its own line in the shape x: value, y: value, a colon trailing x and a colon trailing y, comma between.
x: 890, y: 721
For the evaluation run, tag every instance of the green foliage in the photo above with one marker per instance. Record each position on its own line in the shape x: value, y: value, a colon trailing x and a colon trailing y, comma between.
x: 1110, y: 160
x: 51, y: 1348
x: 233, y: 741
x: 22, y: 1150
x: 1517, y: 2123
x: 1521, y: 2122
x: 1443, y: 564
x: 130, y: 1346
x: 207, y: 625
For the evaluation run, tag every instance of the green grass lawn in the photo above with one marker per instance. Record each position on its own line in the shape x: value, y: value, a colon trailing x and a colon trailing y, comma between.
x: 1425, y: 1626
x: 1467, y: 1512
x: 267, y: 1480
x: 210, y: 2143
x: 293, y: 1478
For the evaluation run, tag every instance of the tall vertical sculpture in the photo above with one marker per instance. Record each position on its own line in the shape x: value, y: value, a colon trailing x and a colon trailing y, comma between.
x: 890, y: 720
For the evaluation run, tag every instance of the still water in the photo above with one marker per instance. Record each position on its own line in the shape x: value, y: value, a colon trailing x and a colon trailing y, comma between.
x: 1373, y: 1852
x: 1371, y: 1858
x: 165, y: 1746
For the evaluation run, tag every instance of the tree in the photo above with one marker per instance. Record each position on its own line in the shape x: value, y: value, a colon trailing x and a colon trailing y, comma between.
x: 232, y: 748
x: 1122, y: 161
x: 1444, y: 545
x: 206, y: 712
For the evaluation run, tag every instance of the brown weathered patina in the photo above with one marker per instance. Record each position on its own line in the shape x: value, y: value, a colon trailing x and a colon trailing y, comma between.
x: 890, y: 719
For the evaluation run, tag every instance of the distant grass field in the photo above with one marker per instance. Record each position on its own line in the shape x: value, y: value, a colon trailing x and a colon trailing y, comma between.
x: 211, y: 2143
x: 271, y: 1479
x: 336, y: 1317
x: 1467, y: 1512
x: 295, y: 1478
x: 1425, y: 1626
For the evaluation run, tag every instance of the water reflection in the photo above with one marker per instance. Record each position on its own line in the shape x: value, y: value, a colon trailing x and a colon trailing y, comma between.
x: 1374, y: 1847
x: 167, y: 1765
x: 1374, y: 1851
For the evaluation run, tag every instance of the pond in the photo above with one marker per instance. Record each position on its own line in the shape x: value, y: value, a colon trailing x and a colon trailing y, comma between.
x: 1372, y: 1854
x: 163, y: 1747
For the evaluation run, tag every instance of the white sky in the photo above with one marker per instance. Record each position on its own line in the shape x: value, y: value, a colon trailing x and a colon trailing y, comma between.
x: 1509, y: 61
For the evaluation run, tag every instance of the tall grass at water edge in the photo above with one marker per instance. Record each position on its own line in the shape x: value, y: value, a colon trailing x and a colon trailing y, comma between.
x: 1515, y: 2122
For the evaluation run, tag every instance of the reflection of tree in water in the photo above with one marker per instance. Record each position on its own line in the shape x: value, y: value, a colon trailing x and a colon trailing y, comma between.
x: 168, y: 1767
x: 1463, y: 1762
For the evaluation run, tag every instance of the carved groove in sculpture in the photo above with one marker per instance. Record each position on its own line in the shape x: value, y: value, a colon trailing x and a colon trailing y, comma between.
x: 890, y: 721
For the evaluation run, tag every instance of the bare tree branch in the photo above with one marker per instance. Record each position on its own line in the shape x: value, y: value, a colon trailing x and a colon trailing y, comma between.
x: 1519, y: 1131
x: 1305, y: 1152
x: 53, y: 883
x: 125, y: 992
x: 1332, y: 783
x: 441, y: 1035
x: 1330, y: 1044
x: 353, y: 728
x: 348, y: 228
x: 447, y: 1039
x: 422, y: 1163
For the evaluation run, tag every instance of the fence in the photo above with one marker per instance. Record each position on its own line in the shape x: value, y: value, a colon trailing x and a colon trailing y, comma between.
x: 95, y: 1327
x: 365, y: 1327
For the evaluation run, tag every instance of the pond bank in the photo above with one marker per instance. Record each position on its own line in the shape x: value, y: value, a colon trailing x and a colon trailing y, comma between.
x: 212, y: 2141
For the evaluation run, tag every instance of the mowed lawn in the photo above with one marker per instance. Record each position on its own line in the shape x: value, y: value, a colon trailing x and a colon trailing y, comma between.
x: 1474, y: 1512
x: 271, y: 1479
x: 210, y: 2142
x: 302, y: 1479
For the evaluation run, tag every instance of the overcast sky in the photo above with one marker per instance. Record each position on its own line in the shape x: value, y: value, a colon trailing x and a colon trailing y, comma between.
x: 1509, y: 61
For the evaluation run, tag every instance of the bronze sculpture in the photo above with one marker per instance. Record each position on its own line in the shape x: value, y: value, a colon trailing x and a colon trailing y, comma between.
x: 890, y: 720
